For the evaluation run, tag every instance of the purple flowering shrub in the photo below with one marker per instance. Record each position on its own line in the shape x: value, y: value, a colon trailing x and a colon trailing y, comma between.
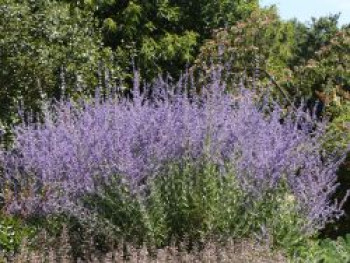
x: 80, y: 146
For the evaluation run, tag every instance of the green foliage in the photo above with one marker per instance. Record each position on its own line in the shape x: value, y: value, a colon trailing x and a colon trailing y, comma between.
x: 338, y: 134
x: 162, y: 36
x: 325, y: 251
x: 306, y: 61
x: 195, y: 202
x: 12, y: 232
x: 312, y: 37
x: 119, y: 210
x: 261, y: 44
x: 46, y: 46
x: 326, y: 75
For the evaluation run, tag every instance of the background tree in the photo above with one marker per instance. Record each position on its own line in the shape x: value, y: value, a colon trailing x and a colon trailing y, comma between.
x: 257, y: 47
x: 327, y: 74
x: 311, y: 38
x: 163, y: 36
x: 45, y: 46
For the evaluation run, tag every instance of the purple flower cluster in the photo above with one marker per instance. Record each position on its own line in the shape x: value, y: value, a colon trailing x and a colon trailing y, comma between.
x: 79, y: 144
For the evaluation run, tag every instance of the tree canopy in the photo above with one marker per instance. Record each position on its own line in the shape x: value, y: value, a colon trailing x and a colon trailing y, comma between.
x: 45, y: 46
x: 53, y: 47
x: 163, y: 36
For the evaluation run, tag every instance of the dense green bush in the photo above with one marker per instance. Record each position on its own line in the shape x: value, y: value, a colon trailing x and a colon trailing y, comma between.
x: 326, y: 75
x: 47, y: 47
x: 163, y: 36
x: 313, y: 36
x: 256, y: 50
x: 325, y: 251
x: 12, y: 232
x: 260, y: 41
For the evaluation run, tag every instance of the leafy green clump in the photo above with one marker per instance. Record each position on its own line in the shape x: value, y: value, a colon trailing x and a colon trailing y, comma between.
x: 12, y: 233
x: 46, y: 48
x: 325, y: 251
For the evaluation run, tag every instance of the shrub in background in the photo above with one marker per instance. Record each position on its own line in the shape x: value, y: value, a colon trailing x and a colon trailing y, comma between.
x: 257, y: 48
x: 326, y: 75
x: 46, y: 48
x: 162, y: 36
